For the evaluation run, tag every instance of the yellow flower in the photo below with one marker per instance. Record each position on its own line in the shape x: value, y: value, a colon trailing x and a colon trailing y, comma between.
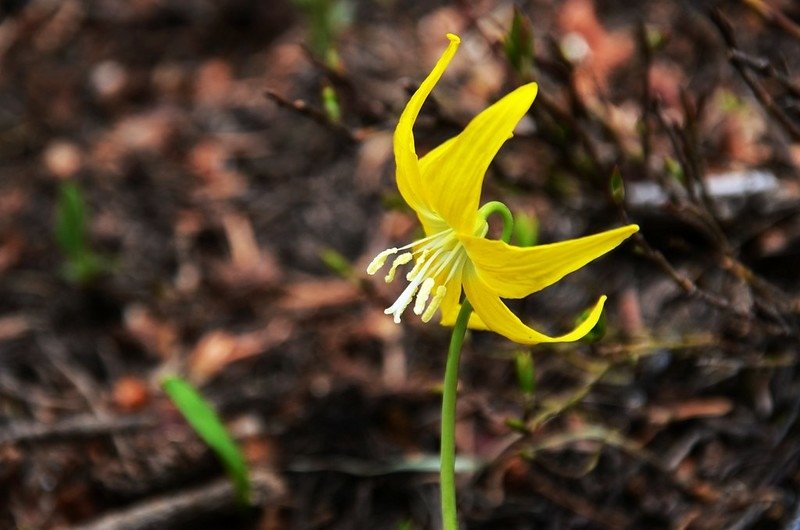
x: 443, y: 187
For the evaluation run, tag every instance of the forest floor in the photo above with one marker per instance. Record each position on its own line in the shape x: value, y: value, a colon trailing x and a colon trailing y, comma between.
x: 230, y: 214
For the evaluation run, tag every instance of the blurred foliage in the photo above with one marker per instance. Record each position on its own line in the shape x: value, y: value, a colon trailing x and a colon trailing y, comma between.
x: 82, y: 264
x: 337, y: 263
x: 526, y: 373
x: 326, y: 19
x: 617, y: 186
x: 674, y: 169
x: 526, y: 229
x: 405, y: 525
x: 330, y: 102
x: 518, y: 45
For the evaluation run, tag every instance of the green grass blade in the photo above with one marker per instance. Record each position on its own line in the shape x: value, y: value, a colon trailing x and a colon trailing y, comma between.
x: 207, y: 425
x: 71, y: 221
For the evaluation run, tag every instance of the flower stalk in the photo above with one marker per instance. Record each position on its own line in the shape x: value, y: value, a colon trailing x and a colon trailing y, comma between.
x: 447, y: 447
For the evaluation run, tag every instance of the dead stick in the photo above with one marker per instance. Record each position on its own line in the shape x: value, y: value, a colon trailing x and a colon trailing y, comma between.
x: 83, y: 426
x: 304, y: 109
x: 774, y: 16
x: 766, y: 100
x: 181, y: 508
x: 765, y: 68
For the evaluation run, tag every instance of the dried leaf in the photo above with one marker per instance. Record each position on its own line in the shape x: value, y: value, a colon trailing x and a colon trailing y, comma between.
x: 218, y: 348
x: 318, y: 294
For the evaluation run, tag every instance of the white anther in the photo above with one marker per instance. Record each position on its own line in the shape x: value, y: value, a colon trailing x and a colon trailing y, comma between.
x: 402, y: 302
x: 379, y: 260
x: 422, y: 296
x: 435, y: 303
x: 402, y: 259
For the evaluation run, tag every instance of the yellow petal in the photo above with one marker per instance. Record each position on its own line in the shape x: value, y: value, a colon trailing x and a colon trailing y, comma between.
x: 409, y: 180
x: 434, y: 157
x: 498, y: 318
x: 431, y: 222
x: 451, y: 306
x: 515, y: 272
x: 453, y: 179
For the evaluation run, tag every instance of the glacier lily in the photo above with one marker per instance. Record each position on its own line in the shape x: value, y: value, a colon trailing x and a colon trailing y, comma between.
x: 443, y: 188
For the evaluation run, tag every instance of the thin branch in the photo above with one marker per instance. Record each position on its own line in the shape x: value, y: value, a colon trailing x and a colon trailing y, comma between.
x: 76, y: 427
x: 304, y: 109
x: 764, y: 67
x: 178, y: 509
x: 759, y: 91
x: 774, y: 16
x: 646, y: 101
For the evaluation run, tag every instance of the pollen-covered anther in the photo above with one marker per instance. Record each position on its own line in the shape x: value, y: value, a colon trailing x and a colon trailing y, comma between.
x: 402, y: 302
x: 423, y: 295
x: 379, y: 260
x: 402, y: 259
x: 435, y: 303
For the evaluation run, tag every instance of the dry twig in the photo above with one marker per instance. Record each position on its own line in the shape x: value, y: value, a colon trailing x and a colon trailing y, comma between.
x: 81, y: 426
x: 304, y: 109
x: 180, y: 508
x: 766, y: 100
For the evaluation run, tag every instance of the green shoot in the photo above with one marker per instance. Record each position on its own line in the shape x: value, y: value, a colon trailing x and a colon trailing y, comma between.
x: 337, y: 263
x: 673, y: 168
x: 330, y: 102
x: 326, y: 19
x: 205, y: 422
x: 518, y: 45
x: 526, y: 373
x: 526, y: 229
x: 617, y: 186
x: 82, y: 264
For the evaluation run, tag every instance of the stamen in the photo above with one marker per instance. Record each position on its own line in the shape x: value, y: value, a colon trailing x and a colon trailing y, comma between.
x: 379, y: 260
x: 434, y: 256
x: 435, y: 303
x: 405, y: 298
x: 459, y: 261
x: 402, y: 259
x: 402, y: 302
x: 418, y: 265
x: 428, y: 240
x: 422, y: 296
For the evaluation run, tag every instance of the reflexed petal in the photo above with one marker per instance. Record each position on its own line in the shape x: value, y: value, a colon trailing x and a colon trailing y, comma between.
x: 515, y: 272
x: 499, y: 318
x: 433, y: 223
x: 409, y: 180
x: 453, y: 182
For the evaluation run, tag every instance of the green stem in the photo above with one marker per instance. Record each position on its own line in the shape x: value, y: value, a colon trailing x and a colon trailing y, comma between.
x: 447, y: 469
x: 501, y: 209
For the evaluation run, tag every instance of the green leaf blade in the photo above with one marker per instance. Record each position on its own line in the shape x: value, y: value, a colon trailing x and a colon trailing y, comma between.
x: 205, y: 422
x: 71, y: 220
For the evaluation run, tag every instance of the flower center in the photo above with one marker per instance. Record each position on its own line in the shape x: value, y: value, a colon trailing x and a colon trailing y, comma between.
x: 437, y: 260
